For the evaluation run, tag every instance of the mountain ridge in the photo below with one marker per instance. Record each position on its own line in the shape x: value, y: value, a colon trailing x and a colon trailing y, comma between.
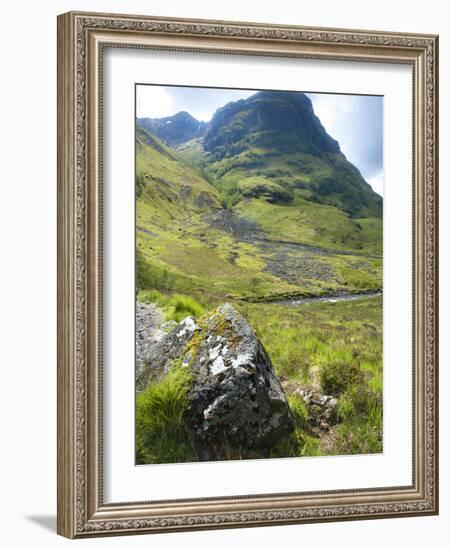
x: 269, y: 145
x: 175, y: 129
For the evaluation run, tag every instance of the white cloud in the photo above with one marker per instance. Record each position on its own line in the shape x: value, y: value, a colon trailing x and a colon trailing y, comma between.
x: 202, y: 103
x: 153, y: 102
x: 332, y: 110
x: 161, y: 101
x: 356, y: 122
x: 377, y: 183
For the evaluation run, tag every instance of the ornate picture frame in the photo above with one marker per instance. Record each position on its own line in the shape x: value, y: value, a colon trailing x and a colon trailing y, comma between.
x: 82, y: 38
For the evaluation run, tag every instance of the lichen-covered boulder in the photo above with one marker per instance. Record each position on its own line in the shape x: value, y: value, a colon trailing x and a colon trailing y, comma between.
x: 163, y: 350
x: 236, y: 401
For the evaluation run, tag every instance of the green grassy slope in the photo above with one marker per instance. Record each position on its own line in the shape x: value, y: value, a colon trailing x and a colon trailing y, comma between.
x: 177, y: 249
x: 282, y: 194
x: 185, y: 244
x: 182, y: 248
x: 340, y: 345
x: 334, y: 346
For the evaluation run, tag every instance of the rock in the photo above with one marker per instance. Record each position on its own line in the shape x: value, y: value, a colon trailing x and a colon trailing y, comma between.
x: 160, y: 353
x: 148, y: 317
x: 236, y: 400
x: 332, y: 403
x: 168, y: 325
x: 159, y: 335
x: 321, y: 408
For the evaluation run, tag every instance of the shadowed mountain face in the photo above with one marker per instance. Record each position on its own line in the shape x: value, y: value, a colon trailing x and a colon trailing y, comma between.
x: 281, y: 120
x: 176, y: 129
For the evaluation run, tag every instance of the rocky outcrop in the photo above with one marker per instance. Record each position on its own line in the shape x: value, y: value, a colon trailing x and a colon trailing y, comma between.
x: 164, y: 346
x: 322, y: 409
x: 148, y: 319
x: 236, y: 400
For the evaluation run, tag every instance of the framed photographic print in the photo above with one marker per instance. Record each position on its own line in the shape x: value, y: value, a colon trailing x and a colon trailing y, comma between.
x: 247, y: 277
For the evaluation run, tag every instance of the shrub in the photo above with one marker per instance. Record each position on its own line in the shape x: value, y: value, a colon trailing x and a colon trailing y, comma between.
x: 336, y: 376
x: 160, y: 410
x: 359, y: 402
x: 360, y: 410
x: 230, y: 199
x: 151, y: 276
x: 358, y: 438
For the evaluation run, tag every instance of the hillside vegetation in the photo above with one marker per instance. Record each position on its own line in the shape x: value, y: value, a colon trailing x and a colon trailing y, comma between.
x: 256, y: 208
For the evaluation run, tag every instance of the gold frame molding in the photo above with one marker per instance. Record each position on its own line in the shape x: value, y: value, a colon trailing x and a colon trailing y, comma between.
x: 81, y: 38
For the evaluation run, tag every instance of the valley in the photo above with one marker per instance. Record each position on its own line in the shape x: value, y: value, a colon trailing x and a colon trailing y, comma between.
x: 259, y: 208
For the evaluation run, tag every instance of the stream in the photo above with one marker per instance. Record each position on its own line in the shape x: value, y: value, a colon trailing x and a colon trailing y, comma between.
x: 330, y: 298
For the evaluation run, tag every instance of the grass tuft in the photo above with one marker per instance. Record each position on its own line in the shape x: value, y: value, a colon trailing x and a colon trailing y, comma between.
x: 176, y: 307
x: 179, y: 307
x: 160, y: 410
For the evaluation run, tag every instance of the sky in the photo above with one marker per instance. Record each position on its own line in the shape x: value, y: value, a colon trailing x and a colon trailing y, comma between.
x: 355, y: 121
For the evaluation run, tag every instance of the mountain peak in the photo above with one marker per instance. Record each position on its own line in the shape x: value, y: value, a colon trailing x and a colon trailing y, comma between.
x: 175, y: 129
x: 267, y: 118
x: 183, y: 116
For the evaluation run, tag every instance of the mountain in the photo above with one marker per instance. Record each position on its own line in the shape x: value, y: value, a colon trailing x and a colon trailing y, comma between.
x: 281, y: 120
x: 259, y: 203
x: 272, y: 145
x: 176, y: 129
x: 167, y: 184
